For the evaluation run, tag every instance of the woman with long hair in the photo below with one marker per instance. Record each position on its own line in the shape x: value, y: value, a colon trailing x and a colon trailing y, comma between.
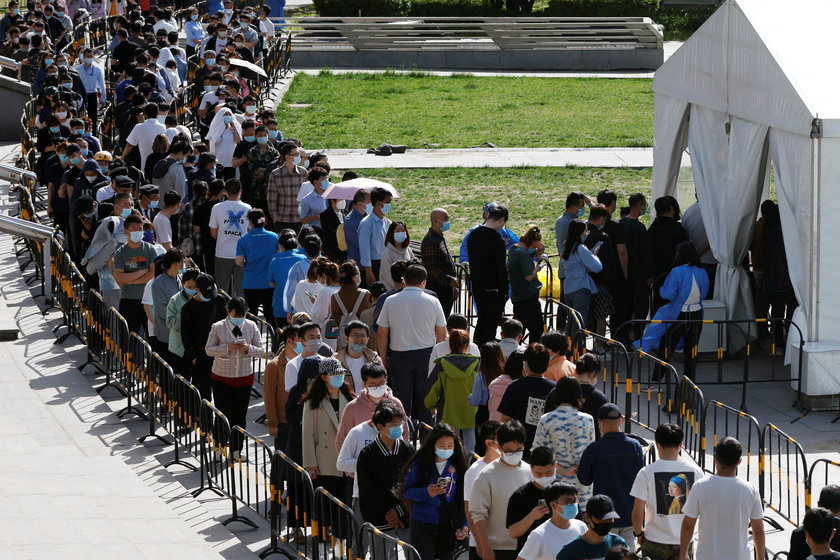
x: 323, y: 406
x: 350, y: 300
x: 512, y: 371
x: 433, y: 482
x: 306, y: 291
x: 160, y: 147
x: 524, y: 285
x: 397, y: 248
x: 577, y: 262
x: 490, y: 366
x: 451, y: 381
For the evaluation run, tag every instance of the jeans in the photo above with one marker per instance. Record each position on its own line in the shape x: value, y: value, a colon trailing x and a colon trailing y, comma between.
x: 255, y: 298
x: 229, y: 276
x: 529, y: 313
x: 579, y: 301
x: 468, y: 437
x: 409, y: 375
x: 491, y: 310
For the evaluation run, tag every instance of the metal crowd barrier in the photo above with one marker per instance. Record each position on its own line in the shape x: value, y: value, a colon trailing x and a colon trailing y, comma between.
x: 299, y: 503
x: 382, y: 546
x: 187, y: 429
x: 721, y: 421
x: 147, y: 368
x: 96, y: 313
x: 830, y: 474
x: 69, y: 292
x: 337, y: 530
x: 116, y: 341
x: 651, y: 391
x: 463, y: 303
x: 691, y: 406
x: 785, y: 475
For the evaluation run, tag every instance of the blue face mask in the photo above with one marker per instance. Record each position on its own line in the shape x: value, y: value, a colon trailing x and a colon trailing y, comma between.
x: 153, y: 204
x: 395, y: 432
x: 62, y: 157
x: 103, y: 170
x: 149, y: 236
x: 325, y: 184
x: 261, y: 140
x: 209, y: 62
x: 570, y: 511
x: 208, y: 89
x: 125, y: 213
x: 236, y: 321
x: 194, y: 17
x: 306, y: 164
x: 445, y: 226
x: 78, y: 131
x: 369, y: 208
x: 190, y: 292
x: 55, y: 128
x: 601, y: 227
x: 75, y: 160
x: 59, y: 14
x: 272, y: 134
x: 48, y: 61
x: 386, y: 208
x: 581, y: 212
x: 204, y: 299
x: 297, y: 160
x: 136, y: 236
x: 249, y: 138
x: 299, y: 347
x: 444, y: 453
x: 336, y: 381
x: 400, y: 236
x: 643, y: 212
x: 228, y: 119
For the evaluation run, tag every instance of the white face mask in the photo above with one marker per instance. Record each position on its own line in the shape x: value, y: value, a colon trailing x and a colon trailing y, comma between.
x: 544, y: 481
x: 512, y: 459
x: 377, y: 392
x: 341, y: 204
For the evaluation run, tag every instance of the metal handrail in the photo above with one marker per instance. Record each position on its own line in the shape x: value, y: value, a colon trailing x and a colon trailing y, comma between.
x: 11, y: 64
x: 35, y: 232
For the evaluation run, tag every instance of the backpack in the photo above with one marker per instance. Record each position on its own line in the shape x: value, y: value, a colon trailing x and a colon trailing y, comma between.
x: 162, y: 167
x: 346, y: 317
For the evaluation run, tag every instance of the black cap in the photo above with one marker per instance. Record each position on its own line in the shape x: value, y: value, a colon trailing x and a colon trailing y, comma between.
x: 601, y: 507
x: 609, y: 411
x: 206, y: 285
x: 123, y: 181
x: 149, y: 190
x: 117, y: 171
x: 84, y: 204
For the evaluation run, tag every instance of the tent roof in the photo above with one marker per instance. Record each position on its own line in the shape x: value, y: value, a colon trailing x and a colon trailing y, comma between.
x: 767, y: 61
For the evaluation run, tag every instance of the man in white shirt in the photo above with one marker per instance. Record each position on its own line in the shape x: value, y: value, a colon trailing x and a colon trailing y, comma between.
x: 162, y: 222
x: 144, y: 133
x: 726, y: 505
x: 410, y: 324
x: 485, y: 437
x: 310, y: 336
x: 660, y: 490
x: 228, y: 223
x: 549, y: 538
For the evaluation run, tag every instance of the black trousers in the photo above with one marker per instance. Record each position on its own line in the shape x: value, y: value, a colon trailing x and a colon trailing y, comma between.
x: 201, y: 374
x: 444, y: 295
x: 133, y: 313
x: 689, y: 333
x: 491, y: 310
x: 409, y: 380
x: 92, y: 106
x: 256, y: 298
x: 781, y: 304
x: 432, y: 540
x: 233, y: 403
x: 640, y: 297
x: 529, y: 313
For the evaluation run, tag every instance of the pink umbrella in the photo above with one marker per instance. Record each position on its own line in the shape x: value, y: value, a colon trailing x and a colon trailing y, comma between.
x: 346, y: 190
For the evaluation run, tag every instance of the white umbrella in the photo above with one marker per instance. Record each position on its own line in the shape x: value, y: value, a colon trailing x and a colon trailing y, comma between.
x: 346, y: 190
x: 248, y: 65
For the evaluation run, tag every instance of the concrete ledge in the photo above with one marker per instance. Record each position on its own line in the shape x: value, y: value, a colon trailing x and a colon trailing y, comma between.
x: 8, y: 326
x: 466, y: 59
x: 14, y: 95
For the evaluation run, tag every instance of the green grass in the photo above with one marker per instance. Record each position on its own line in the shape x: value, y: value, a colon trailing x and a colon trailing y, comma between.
x: 365, y: 110
x: 533, y: 195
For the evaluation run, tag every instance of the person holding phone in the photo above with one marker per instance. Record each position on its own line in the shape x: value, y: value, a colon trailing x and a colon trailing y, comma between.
x: 433, y: 483
x: 577, y: 262
x: 524, y: 265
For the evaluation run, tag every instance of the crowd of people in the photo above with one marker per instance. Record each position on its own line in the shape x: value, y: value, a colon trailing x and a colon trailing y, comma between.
x: 187, y: 232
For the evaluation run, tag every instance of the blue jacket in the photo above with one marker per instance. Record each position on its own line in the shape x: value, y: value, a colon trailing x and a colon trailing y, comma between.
x: 611, y: 465
x: 676, y: 290
x: 577, y: 268
x: 425, y: 508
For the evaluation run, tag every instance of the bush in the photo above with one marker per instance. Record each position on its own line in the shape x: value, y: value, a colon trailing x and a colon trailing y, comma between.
x: 680, y: 24
x: 602, y: 8
x: 368, y: 8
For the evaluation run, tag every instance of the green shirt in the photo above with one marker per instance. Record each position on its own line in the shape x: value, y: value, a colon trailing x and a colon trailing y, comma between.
x: 131, y: 260
x: 520, y: 264
x: 453, y: 377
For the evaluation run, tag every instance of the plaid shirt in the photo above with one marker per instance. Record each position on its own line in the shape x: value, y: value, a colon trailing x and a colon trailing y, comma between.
x: 260, y: 160
x: 437, y: 259
x: 237, y: 364
x: 281, y: 193
x: 185, y: 227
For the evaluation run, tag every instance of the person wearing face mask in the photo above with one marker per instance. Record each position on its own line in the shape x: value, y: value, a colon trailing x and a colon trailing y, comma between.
x: 358, y: 210
x: 314, y: 203
x: 164, y: 287
x: 258, y: 158
x: 223, y: 136
x: 109, y: 234
x: 205, y: 308
x: 577, y: 262
x: 524, y: 282
x: 372, y: 231
x: 594, y: 544
x: 86, y: 210
x: 397, y: 248
x: 547, y: 540
x: 219, y: 40
x: 323, y: 406
x: 195, y: 33
x: 506, y: 234
x: 335, y: 310
x: 433, y: 481
x: 93, y: 80
x: 283, y: 185
x: 278, y: 274
x: 438, y: 260
x: 274, y: 386
x: 378, y: 469
x: 254, y: 252
x: 492, y: 491
x: 232, y: 343
x: 576, y: 203
x: 488, y: 448
x: 169, y: 173
x: 332, y: 218
x: 173, y: 321
x: 641, y: 265
x: 58, y: 204
x: 354, y: 357
x: 133, y: 266
x: 11, y: 19
x: 528, y: 508
x: 309, y: 335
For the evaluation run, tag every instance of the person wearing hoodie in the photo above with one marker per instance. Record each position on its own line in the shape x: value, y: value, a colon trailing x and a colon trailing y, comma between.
x: 168, y: 174
x: 374, y: 389
x: 90, y: 181
x: 450, y: 385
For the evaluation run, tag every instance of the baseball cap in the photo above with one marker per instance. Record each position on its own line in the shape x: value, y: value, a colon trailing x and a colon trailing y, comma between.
x: 103, y: 156
x: 206, y: 285
x: 490, y: 206
x: 123, y: 181
x: 609, y: 411
x: 51, y: 90
x: 601, y: 507
x: 330, y: 366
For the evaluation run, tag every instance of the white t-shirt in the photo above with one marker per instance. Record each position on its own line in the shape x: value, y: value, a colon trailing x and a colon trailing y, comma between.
x: 547, y: 540
x: 355, y: 367
x: 725, y: 506
x: 231, y: 219
x: 104, y: 193
x: 142, y: 136
x: 321, y: 314
x: 149, y: 300
x: 441, y: 349
x: 469, y: 481
x: 412, y: 316
x: 163, y: 228
x: 292, y: 368
x: 357, y: 438
x: 301, y: 301
x: 653, y: 485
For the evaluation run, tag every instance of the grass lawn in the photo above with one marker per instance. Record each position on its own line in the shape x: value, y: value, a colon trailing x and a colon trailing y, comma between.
x: 532, y: 194
x: 422, y: 111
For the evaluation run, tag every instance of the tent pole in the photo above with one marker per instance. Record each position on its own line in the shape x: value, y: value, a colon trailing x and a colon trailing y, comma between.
x: 813, y: 303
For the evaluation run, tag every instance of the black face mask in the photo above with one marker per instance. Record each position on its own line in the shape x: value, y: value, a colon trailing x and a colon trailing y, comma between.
x: 602, y: 528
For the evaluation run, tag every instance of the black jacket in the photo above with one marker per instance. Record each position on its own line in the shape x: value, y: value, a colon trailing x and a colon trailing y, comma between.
x: 488, y: 266
x: 665, y: 234
x: 196, y: 319
x: 378, y: 472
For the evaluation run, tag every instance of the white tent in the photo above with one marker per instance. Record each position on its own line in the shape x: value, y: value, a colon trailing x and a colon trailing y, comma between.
x: 756, y: 84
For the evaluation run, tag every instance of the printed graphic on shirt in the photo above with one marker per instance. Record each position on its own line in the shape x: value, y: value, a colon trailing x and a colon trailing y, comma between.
x: 135, y: 263
x: 535, y: 410
x: 235, y: 221
x: 672, y: 488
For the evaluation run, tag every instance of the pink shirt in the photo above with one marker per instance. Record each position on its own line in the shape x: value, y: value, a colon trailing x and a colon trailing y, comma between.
x: 360, y: 410
x: 497, y: 390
